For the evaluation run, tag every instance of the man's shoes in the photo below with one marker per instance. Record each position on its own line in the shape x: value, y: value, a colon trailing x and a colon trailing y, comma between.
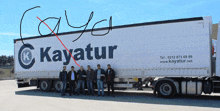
x: 70, y: 94
x: 92, y: 94
x: 98, y: 95
x: 102, y: 95
x: 108, y: 94
x: 113, y: 95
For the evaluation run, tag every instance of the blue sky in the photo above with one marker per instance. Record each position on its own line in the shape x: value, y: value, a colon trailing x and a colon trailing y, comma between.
x: 78, y: 11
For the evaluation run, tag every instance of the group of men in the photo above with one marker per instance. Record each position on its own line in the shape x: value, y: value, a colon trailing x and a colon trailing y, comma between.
x: 89, y: 76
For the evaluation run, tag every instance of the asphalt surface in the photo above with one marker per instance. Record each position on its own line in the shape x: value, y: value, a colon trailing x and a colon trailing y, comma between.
x: 32, y: 99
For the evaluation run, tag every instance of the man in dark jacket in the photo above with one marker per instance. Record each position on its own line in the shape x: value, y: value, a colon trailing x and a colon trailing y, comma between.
x: 81, y: 80
x: 99, y: 78
x: 63, y: 78
x: 72, y: 78
x: 89, y: 79
x: 110, y: 76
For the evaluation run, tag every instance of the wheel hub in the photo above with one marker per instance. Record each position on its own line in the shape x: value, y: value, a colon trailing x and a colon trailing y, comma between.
x: 165, y: 89
x: 44, y: 85
x: 58, y: 85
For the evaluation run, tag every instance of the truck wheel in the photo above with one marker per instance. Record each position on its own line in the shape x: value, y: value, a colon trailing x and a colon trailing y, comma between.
x: 57, y: 85
x: 166, y: 89
x: 45, y: 85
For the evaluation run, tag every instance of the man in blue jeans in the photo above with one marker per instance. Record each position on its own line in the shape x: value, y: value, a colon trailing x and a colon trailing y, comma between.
x: 81, y: 80
x: 63, y: 78
x: 89, y: 79
x: 99, y: 78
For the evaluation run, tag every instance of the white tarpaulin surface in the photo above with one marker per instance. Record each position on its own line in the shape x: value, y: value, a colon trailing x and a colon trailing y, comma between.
x: 172, y: 49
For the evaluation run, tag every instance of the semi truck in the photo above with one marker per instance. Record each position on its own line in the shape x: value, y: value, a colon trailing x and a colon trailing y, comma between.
x: 178, y: 53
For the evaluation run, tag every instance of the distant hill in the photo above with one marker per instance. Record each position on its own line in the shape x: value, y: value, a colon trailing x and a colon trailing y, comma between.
x: 214, y: 31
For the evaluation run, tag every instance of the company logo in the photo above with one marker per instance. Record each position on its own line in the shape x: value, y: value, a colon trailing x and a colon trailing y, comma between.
x: 25, y: 56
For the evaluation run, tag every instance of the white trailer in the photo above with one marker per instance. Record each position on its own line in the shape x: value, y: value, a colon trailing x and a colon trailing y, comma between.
x: 179, y: 52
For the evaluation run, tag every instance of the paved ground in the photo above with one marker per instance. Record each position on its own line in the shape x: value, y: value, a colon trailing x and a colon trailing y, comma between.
x: 32, y: 99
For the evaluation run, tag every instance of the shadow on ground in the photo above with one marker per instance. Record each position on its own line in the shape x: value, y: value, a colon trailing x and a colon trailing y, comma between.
x: 134, y: 97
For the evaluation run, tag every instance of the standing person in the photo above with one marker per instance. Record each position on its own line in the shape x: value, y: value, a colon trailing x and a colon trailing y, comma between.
x: 63, y: 78
x: 81, y: 80
x: 89, y: 79
x: 99, y: 78
x: 110, y: 76
x: 72, y: 78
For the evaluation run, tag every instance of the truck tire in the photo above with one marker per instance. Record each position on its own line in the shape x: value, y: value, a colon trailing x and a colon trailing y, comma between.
x: 166, y: 89
x: 45, y: 85
x: 57, y: 85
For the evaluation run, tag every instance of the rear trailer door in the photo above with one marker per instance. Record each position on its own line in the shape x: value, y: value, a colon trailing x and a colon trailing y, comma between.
x: 218, y: 52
